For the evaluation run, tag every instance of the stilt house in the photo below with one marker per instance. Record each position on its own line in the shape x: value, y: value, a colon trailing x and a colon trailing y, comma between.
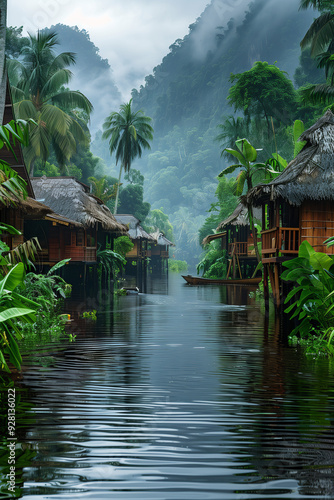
x: 140, y: 238
x: 298, y: 204
x: 160, y: 251
x: 85, y: 223
x: 237, y: 240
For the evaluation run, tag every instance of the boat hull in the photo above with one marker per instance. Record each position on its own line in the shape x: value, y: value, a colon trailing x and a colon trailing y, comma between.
x: 195, y: 280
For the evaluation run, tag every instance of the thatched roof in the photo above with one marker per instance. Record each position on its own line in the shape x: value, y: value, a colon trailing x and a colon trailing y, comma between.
x: 33, y: 209
x: 238, y: 218
x: 308, y: 176
x: 160, y: 239
x: 135, y: 231
x: 70, y: 198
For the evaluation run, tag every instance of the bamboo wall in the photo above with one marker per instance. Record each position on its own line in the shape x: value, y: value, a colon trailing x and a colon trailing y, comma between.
x: 317, y: 224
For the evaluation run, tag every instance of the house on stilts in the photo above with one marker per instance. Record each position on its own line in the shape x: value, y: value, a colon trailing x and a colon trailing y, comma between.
x: 298, y: 205
x: 159, y: 250
x: 82, y: 227
x: 237, y: 242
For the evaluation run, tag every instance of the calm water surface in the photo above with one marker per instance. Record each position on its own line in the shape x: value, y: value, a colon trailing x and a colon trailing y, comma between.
x: 180, y: 393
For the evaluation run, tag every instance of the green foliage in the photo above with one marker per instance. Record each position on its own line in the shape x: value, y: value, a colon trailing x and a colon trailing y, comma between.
x: 157, y: 220
x: 90, y: 315
x: 131, y: 201
x: 123, y: 245
x: 38, y: 82
x: 13, y: 308
x: 15, y: 41
x: 263, y: 91
x: 134, y: 177
x: 102, y: 189
x: 46, y: 289
x: 221, y: 209
x: 128, y: 133
x: 313, y: 298
x: 110, y: 261
x: 177, y: 266
x: 213, y: 262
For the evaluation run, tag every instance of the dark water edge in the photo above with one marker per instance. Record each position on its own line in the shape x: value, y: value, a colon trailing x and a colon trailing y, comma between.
x: 179, y: 393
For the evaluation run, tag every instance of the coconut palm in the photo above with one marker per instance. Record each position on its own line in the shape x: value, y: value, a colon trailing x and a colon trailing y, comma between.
x: 250, y: 174
x: 128, y: 133
x: 320, y: 39
x: 39, y: 91
x: 321, y: 32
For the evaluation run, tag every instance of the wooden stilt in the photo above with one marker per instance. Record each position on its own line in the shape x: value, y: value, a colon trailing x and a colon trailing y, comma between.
x: 277, y: 286
x: 239, y: 266
x: 272, y: 281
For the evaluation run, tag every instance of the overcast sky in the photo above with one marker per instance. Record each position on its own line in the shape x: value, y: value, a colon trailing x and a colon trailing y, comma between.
x: 134, y: 35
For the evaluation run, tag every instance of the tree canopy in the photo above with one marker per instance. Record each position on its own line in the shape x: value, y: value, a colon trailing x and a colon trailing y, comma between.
x: 263, y: 91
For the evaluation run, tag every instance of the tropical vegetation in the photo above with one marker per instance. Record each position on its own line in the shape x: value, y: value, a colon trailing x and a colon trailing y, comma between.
x: 39, y: 82
x: 128, y: 133
x: 312, y: 301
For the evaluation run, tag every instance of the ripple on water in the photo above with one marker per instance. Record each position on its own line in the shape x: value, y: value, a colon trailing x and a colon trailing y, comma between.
x: 173, y: 397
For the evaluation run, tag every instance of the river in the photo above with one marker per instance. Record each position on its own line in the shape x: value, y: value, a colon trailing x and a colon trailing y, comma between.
x: 180, y: 393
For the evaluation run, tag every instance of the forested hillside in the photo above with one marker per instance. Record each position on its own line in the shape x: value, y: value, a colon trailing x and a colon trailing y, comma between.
x: 186, y: 97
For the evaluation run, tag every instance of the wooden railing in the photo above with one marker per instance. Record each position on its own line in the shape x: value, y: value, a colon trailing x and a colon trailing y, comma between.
x: 284, y: 240
x: 241, y: 248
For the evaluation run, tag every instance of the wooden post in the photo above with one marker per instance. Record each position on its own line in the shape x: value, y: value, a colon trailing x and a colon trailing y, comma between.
x: 266, y: 289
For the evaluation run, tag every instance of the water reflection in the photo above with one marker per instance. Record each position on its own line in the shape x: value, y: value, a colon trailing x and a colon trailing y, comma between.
x: 180, y: 393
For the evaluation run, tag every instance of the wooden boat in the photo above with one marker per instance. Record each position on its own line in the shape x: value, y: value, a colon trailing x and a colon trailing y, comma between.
x: 196, y: 280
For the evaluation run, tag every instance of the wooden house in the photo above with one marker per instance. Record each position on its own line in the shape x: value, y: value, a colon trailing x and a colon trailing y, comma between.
x: 160, y: 251
x: 237, y: 241
x: 140, y: 238
x: 80, y: 226
x: 298, y: 204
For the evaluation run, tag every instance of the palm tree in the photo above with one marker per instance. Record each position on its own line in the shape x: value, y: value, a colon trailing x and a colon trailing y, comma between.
x: 39, y: 91
x: 321, y: 32
x: 250, y: 174
x: 102, y: 189
x: 320, y: 38
x: 231, y: 130
x: 128, y: 133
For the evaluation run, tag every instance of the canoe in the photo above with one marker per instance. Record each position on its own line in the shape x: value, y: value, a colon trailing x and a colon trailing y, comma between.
x: 196, y: 280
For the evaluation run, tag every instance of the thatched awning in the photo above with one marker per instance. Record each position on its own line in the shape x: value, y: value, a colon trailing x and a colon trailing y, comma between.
x: 70, y: 198
x: 212, y: 237
x: 238, y: 218
x: 309, y: 176
x: 135, y: 231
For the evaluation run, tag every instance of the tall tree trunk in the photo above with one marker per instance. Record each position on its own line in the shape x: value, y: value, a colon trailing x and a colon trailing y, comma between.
x: 117, y: 192
x: 3, y: 75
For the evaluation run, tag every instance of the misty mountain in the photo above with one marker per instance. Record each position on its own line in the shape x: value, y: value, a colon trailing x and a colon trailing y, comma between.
x: 92, y: 75
x: 195, y: 74
x: 186, y: 97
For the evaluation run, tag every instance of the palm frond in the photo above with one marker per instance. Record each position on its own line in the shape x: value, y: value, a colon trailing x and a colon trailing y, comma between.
x: 318, y: 94
x: 73, y: 99
x: 320, y: 34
